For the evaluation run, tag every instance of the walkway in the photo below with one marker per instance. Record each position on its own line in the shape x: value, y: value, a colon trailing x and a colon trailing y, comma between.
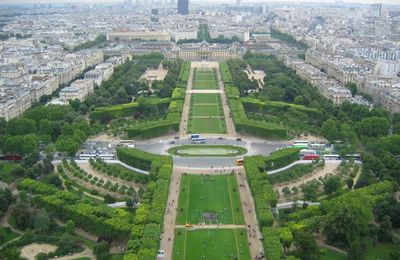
x: 254, y: 234
x: 110, y: 162
x: 186, y: 106
x: 230, y: 126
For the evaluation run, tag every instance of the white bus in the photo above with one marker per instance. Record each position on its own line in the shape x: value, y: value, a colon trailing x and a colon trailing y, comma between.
x: 107, y: 156
x: 194, y: 136
x: 331, y: 157
x: 306, y: 152
x: 198, y: 140
x: 301, y: 144
x: 86, y: 156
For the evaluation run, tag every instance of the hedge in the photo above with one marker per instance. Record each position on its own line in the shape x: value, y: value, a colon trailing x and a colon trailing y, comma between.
x: 272, y: 244
x: 226, y: 74
x: 274, y: 107
x: 232, y: 92
x: 127, y: 109
x: 185, y: 70
x: 136, y: 158
x: 281, y: 158
x: 160, y: 127
x: 153, y: 129
x: 255, y: 127
x: 178, y: 93
x: 264, y: 195
x: 152, y: 210
x: 99, y: 220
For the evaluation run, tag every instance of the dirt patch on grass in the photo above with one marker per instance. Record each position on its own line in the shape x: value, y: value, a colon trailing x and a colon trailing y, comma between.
x: 32, y: 250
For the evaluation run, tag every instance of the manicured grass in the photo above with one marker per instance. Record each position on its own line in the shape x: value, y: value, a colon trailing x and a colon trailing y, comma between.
x: 204, y: 79
x: 6, y: 235
x: 211, y: 244
x: 115, y: 257
x: 207, y: 125
x: 200, y: 150
x: 380, y: 251
x: 206, y: 114
x: 209, y: 193
x: 331, y: 255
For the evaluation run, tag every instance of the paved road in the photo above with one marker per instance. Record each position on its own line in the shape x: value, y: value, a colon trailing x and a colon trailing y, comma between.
x: 254, y: 146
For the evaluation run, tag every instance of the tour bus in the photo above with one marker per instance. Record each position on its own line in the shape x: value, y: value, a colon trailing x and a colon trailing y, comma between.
x: 318, y: 146
x: 301, y: 144
x: 331, y: 157
x: 194, y: 136
x: 311, y: 157
x: 306, y: 152
x: 87, y: 156
x: 239, y: 162
x: 126, y: 143
x: 198, y: 140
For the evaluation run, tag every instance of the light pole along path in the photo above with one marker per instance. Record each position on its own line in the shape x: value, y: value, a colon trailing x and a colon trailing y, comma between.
x: 246, y: 199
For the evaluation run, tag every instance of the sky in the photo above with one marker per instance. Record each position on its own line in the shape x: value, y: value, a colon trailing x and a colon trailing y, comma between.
x: 204, y: 1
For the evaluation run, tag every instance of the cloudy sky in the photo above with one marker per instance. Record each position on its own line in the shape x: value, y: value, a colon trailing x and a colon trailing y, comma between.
x: 202, y: 1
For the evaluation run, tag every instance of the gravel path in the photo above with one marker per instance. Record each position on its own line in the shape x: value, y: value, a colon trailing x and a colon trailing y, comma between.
x: 329, y: 168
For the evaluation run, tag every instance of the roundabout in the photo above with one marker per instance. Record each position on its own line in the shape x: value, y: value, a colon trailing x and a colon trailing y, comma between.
x: 207, y: 151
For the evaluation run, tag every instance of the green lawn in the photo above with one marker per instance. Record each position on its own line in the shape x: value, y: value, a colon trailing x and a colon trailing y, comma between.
x: 207, y: 150
x: 6, y: 235
x: 209, y: 193
x: 211, y: 244
x: 115, y: 257
x: 380, y: 251
x: 206, y: 114
x: 204, y: 79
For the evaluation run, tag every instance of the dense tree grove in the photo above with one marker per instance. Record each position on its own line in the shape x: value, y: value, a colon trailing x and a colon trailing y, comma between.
x: 288, y: 38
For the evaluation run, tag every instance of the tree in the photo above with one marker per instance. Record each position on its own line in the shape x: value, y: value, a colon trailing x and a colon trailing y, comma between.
x: 306, y: 247
x: 310, y: 191
x: 395, y: 215
x: 352, y: 87
x: 286, y: 237
x: 373, y: 127
x: 385, y: 230
x: 42, y: 222
x: 21, y: 126
x: 331, y: 184
x: 67, y: 145
x: 349, y: 183
x: 101, y: 250
x: 22, y: 215
x: 70, y: 226
x: 330, y: 130
x: 11, y: 253
x: 347, y: 220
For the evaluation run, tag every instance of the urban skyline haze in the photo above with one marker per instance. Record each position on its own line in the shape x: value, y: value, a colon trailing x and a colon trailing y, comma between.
x: 200, y: 1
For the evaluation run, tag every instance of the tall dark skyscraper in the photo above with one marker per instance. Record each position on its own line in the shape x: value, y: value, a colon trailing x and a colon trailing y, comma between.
x: 183, y: 7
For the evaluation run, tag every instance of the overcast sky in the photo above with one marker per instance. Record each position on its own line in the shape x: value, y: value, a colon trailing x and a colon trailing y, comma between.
x: 202, y: 1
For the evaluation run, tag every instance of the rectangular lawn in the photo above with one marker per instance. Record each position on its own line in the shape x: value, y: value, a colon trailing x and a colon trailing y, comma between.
x: 204, y: 79
x: 209, y: 193
x: 211, y: 244
x: 206, y: 114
